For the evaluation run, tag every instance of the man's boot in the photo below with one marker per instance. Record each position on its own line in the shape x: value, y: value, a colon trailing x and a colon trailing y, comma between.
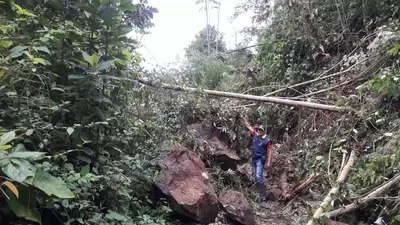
x: 261, y: 192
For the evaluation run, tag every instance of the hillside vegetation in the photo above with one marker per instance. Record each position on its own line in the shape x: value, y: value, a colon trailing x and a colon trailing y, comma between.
x: 88, y: 136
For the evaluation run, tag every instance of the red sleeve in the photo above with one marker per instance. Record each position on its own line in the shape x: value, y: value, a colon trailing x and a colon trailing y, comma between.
x: 253, y: 132
x: 269, y: 146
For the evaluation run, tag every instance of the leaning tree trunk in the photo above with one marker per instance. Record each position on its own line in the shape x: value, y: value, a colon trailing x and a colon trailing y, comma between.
x: 335, y: 190
x: 275, y: 100
x: 372, y: 196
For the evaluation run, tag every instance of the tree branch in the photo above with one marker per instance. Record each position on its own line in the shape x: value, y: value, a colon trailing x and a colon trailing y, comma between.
x: 364, y: 200
x: 316, y: 79
x: 342, y: 177
x: 371, y: 69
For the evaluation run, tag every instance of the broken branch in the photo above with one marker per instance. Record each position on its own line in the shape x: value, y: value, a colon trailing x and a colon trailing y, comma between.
x: 364, y: 200
x: 316, y: 79
x: 342, y: 177
x: 371, y: 69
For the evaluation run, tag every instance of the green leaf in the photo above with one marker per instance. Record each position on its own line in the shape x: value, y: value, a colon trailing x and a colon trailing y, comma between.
x: 85, y: 170
x: 39, y: 60
x: 29, y: 132
x: 11, y: 93
x: 7, y: 137
x: 25, y: 155
x: 70, y: 130
x: 51, y: 185
x: 115, y: 216
x: 94, y: 59
x: 86, y: 57
x: 42, y: 49
x: 105, y: 65
x: 25, y: 205
x: 21, y: 11
x: 5, y: 147
x: 18, y: 170
x: 17, y: 51
x: 5, y: 43
x: 19, y: 148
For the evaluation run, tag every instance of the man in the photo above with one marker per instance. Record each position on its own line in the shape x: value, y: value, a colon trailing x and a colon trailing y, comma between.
x: 260, y: 146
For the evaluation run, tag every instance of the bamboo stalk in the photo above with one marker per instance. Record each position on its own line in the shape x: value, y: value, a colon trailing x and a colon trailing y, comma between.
x: 328, y: 198
x: 364, y: 200
x: 275, y: 100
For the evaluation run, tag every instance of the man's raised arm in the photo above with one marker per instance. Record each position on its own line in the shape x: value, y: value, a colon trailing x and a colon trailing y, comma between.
x: 247, y: 124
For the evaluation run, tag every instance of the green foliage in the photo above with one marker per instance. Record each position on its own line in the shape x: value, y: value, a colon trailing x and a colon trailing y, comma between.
x: 386, y: 84
x: 71, y: 115
x: 199, y: 45
x: 206, y: 72
x: 15, y: 164
x: 201, y: 69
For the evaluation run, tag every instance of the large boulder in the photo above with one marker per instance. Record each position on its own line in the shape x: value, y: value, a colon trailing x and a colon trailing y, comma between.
x: 245, y: 173
x: 237, y: 207
x: 220, y: 153
x: 186, y: 184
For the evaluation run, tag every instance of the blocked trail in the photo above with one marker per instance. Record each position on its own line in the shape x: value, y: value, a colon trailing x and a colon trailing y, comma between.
x: 210, y: 182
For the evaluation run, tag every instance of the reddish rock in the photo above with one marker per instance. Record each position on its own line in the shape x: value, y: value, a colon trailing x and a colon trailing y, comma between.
x: 225, y: 157
x: 185, y: 182
x: 237, y: 206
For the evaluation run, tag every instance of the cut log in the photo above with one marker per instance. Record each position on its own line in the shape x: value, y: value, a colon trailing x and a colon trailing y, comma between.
x: 364, y: 200
x: 301, y: 186
x: 287, y: 192
x: 341, y: 178
x: 251, y: 97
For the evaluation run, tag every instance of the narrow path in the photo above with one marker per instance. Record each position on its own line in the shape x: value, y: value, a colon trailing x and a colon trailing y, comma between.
x: 270, y: 212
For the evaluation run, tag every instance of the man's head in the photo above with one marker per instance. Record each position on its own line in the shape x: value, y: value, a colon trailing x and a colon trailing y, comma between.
x: 261, y: 130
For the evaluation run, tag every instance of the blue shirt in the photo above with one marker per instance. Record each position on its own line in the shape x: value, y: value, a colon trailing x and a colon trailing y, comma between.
x: 259, y: 146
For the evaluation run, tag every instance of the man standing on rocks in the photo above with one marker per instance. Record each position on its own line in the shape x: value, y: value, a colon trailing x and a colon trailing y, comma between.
x: 261, y: 144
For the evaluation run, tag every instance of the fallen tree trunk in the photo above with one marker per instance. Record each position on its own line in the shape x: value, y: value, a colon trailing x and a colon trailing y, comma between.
x: 342, y: 177
x: 282, y: 101
x: 364, y: 200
